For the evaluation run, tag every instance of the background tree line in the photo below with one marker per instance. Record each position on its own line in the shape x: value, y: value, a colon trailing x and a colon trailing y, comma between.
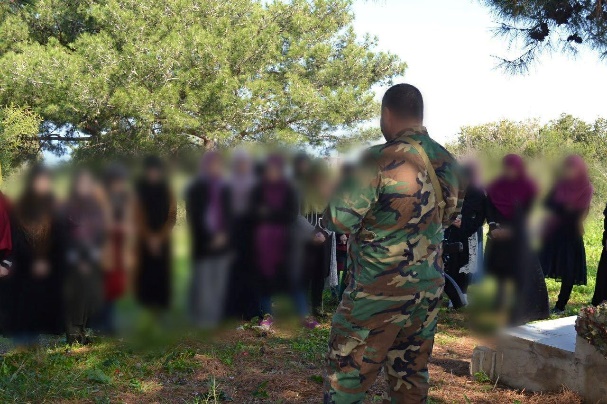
x: 543, y: 145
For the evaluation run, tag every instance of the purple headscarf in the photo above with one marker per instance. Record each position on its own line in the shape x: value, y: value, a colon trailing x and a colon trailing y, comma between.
x: 574, y: 192
x: 507, y: 193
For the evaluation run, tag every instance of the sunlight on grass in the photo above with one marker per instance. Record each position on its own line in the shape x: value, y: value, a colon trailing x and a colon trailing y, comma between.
x: 109, y: 367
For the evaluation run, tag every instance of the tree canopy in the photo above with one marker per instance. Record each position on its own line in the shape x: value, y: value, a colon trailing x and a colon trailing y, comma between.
x: 123, y: 77
x: 538, y: 26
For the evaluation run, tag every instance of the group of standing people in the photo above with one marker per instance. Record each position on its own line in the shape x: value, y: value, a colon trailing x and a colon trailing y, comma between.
x: 256, y: 233
x: 505, y: 205
x: 52, y: 276
x: 254, y: 227
x: 64, y: 264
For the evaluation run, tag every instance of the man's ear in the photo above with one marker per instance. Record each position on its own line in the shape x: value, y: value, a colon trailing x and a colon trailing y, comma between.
x: 386, y: 115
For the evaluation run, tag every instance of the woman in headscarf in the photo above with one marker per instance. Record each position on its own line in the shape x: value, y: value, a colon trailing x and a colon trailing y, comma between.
x: 508, y: 254
x: 120, y: 233
x: 208, y: 210
x: 563, y: 255
x: 6, y: 243
x: 241, y: 301
x: 600, y: 289
x: 274, y: 210
x: 35, y: 276
x: 320, y: 260
x: 84, y: 226
x: 6, y: 246
x: 156, y: 214
x: 459, y: 265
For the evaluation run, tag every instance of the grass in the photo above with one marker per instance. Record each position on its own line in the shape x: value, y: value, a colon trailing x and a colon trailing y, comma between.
x: 243, y: 365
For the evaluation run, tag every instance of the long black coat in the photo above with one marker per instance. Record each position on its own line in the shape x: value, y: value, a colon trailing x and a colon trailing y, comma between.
x: 563, y: 254
x: 600, y: 290
x: 473, y: 217
x: 35, y: 304
x: 514, y: 259
x: 197, y: 203
x: 286, y: 216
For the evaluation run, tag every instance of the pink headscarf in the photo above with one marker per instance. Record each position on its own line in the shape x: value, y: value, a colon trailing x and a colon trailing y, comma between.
x: 574, y: 192
x: 6, y: 243
x: 507, y: 193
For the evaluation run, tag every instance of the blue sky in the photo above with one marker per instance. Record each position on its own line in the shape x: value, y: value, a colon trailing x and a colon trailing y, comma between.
x: 448, y: 46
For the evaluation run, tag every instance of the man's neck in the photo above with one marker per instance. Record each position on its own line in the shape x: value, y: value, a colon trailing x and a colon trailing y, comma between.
x: 406, y: 127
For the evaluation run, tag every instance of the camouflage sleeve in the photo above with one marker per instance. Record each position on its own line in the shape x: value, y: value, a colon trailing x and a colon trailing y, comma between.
x: 354, y: 197
x: 454, y: 189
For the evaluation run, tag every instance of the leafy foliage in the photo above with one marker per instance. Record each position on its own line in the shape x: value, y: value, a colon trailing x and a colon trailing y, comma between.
x: 543, y: 145
x: 18, y: 143
x: 122, y: 77
x: 538, y: 26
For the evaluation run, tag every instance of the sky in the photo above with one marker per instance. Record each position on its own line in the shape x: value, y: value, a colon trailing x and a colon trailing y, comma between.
x: 449, y: 48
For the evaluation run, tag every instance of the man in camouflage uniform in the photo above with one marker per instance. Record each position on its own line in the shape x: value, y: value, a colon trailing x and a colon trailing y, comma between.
x: 388, y: 313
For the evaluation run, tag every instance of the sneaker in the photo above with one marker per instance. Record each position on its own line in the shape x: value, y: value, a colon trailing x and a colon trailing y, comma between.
x: 557, y: 311
x: 310, y: 322
x: 267, y: 322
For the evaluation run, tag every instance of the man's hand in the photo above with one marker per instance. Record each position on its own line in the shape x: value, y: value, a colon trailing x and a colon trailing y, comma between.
x: 4, y: 271
x: 457, y: 223
x: 343, y: 239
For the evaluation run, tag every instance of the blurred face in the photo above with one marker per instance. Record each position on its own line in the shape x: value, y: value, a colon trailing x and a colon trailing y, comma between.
x: 85, y: 184
x: 153, y: 175
x: 325, y: 187
x: 273, y: 173
x: 303, y: 166
x: 571, y: 170
x: 42, y: 184
x: 510, y: 172
x: 215, y: 167
x: 117, y: 186
x: 242, y: 167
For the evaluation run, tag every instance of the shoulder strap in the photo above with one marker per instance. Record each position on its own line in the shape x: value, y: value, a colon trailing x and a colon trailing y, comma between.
x: 440, y: 200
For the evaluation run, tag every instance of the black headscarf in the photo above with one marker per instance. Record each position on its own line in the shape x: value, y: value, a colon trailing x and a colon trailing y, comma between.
x: 118, y: 201
x: 154, y: 197
x: 34, y: 212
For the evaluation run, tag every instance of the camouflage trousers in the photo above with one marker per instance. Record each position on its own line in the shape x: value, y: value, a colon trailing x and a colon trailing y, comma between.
x: 371, y: 332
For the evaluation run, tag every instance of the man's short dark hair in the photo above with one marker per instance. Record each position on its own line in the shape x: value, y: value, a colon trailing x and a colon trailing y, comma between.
x: 405, y: 101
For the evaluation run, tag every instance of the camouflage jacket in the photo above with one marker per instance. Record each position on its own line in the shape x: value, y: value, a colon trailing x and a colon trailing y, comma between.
x: 389, y: 208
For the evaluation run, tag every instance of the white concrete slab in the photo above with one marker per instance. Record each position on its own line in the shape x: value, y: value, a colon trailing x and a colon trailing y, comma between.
x: 559, y: 333
x: 545, y: 356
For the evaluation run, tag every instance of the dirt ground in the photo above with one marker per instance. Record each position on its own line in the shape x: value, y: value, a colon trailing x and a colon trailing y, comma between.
x: 285, y: 366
